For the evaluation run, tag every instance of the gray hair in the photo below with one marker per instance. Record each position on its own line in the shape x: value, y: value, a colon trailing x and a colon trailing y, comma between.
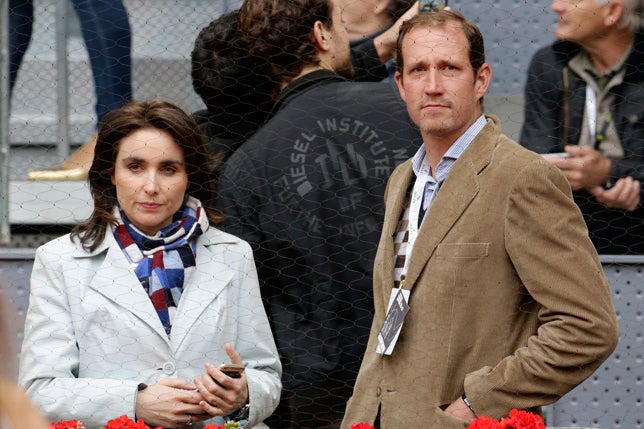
x: 633, y: 16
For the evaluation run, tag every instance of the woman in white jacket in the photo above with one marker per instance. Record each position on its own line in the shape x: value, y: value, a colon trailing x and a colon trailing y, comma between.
x: 134, y: 311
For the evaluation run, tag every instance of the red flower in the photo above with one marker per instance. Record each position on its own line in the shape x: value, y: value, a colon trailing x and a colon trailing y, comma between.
x: 522, y: 420
x: 484, y: 422
x: 361, y: 425
x: 124, y: 422
x: 516, y: 420
x: 67, y: 424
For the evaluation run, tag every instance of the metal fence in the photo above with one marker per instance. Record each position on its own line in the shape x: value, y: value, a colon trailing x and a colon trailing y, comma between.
x: 612, y: 398
x: 52, y: 111
x: 52, y: 104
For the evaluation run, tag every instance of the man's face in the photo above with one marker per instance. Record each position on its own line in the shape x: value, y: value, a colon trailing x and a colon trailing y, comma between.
x: 341, y: 50
x: 580, y: 21
x: 438, y: 83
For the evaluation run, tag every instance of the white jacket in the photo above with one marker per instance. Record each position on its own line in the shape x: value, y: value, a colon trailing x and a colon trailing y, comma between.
x: 92, y: 334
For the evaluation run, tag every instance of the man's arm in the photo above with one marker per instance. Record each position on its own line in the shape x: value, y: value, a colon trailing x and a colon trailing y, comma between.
x: 547, y: 243
x: 543, y: 123
x: 385, y: 42
x: 623, y: 195
x: 370, y: 55
x: 236, y: 198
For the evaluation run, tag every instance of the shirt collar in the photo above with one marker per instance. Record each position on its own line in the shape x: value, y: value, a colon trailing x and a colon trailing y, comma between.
x: 584, y: 61
x: 453, y: 153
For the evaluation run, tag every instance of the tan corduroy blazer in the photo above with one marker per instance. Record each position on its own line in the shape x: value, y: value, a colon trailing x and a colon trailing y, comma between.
x: 509, y: 302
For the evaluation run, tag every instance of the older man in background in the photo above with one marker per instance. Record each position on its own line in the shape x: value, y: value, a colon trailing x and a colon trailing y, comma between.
x: 584, y: 101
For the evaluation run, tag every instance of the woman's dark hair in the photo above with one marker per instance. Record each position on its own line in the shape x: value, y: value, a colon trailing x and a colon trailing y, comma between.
x: 122, y: 122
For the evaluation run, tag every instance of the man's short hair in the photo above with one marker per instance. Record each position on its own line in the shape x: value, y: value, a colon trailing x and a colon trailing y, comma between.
x: 281, y: 31
x: 633, y: 16
x: 226, y: 77
x: 439, y: 19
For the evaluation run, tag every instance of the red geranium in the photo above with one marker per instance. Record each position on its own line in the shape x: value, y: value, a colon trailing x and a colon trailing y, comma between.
x: 522, y: 420
x: 516, y: 420
x: 361, y: 425
x: 484, y: 422
x: 124, y: 422
x: 67, y: 424
x: 229, y: 425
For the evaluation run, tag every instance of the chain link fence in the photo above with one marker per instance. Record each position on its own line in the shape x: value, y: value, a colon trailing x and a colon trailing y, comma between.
x: 35, y: 135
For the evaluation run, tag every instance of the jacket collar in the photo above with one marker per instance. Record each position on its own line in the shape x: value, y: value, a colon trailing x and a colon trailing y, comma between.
x: 564, y: 51
x: 212, y: 237
x: 299, y: 85
x: 458, y: 191
x: 115, y: 279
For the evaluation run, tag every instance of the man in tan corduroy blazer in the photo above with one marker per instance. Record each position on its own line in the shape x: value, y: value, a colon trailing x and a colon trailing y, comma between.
x: 508, y: 303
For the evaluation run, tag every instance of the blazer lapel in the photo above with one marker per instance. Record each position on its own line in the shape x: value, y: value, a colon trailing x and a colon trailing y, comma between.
x: 456, y: 194
x: 208, y: 280
x: 115, y: 280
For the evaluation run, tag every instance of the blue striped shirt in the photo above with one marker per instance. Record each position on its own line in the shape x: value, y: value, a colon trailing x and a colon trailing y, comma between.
x: 446, y: 162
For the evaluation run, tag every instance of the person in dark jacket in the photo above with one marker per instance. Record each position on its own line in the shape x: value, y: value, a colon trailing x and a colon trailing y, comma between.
x: 583, y: 97
x: 238, y: 97
x: 306, y: 191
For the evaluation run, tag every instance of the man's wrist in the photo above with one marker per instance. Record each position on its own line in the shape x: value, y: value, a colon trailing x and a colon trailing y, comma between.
x: 467, y: 402
x: 608, y: 183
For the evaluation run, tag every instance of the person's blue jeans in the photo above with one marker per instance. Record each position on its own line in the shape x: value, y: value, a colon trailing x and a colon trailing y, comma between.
x: 106, y: 30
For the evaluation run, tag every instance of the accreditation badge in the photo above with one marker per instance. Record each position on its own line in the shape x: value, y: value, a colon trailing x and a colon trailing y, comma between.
x: 396, y: 312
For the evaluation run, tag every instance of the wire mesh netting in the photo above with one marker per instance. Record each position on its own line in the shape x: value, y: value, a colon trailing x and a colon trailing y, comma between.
x: 162, y: 35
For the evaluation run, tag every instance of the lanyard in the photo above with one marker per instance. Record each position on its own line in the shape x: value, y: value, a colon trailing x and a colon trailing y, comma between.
x: 591, y: 113
x: 414, y: 211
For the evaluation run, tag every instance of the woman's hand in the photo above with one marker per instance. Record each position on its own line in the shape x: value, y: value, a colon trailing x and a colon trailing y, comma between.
x: 223, y: 395
x: 171, y: 402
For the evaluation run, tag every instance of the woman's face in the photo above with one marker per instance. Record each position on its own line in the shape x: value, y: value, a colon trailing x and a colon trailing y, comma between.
x: 150, y: 178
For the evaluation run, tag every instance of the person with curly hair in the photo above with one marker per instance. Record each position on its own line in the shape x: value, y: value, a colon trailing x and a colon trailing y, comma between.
x: 306, y: 191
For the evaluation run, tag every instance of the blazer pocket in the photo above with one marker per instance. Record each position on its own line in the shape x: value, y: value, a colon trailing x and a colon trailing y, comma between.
x: 463, y: 250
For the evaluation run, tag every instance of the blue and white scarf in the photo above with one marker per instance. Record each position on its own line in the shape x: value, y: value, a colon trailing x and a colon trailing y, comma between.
x: 164, y: 263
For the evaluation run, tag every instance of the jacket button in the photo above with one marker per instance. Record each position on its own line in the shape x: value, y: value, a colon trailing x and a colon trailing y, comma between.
x: 379, y: 391
x: 168, y: 368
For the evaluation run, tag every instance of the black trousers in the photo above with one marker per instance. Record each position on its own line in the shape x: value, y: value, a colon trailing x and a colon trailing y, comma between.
x: 316, y: 407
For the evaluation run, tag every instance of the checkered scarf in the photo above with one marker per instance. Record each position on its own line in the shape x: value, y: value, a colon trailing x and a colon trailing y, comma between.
x: 164, y: 263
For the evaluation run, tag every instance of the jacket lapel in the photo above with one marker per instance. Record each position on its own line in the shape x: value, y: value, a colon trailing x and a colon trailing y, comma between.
x: 115, y: 280
x: 211, y: 276
x: 456, y: 194
x: 395, y: 197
